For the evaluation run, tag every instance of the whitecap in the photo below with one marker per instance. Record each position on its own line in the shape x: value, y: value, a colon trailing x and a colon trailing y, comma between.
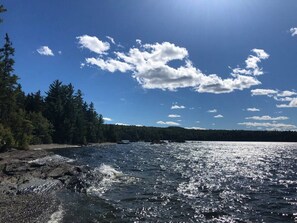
x: 106, y: 177
x: 109, y: 171
x: 57, y: 216
x: 51, y: 159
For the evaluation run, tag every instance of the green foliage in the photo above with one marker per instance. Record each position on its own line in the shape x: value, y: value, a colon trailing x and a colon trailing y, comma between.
x: 74, y: 121
x: 42, y: 129
x: 115, y: 133
x: 22, y: 129
x: 8, y: 82
x: 6, y: 137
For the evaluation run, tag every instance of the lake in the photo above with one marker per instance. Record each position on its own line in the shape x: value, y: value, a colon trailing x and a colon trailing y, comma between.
x: 185, y: 182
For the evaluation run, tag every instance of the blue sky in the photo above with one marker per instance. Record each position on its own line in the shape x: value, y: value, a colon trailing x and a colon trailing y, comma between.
x: 213, y: 64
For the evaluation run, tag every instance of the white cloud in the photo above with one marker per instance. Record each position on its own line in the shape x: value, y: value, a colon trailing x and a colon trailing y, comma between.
x: 252, y: 67
x: 278, y: 96
x: 110, y: 65
x: 261, y: 54
x: 60, y: 52
x: 218, y: 116
x: 267, y: 118
x: 148, y: 64
x: 216, y: 85
x: 270, y: 126
x: 174, y: 116
x: 111, y: 39
x: 283, y: 99
x: 124, y: 124
x: 107, y: 119
x: 292, y: 104
x: 212, y: 111
x: 167, y: 123
x: 267, y: 92
x: 271, y: 92
x: 82, y: 65
x: 286, y: 94
x: 293, y: 31
x: 45, y: 51
x: 93, y: 44
x: 177, y: 106
x: 253, y: 109
x: 195, y: 128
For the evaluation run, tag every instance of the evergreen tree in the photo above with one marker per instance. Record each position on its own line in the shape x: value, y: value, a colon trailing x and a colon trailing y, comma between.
x: 42, y: 128
x: 34, y: 102
x: 54, y: 110
x: 8, y: 82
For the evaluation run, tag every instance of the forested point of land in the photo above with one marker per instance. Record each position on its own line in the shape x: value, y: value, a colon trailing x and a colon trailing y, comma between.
x: 62, y: 115
x: 179, y: 134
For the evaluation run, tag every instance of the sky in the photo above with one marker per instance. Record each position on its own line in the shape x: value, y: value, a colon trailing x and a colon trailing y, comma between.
x: 201, y: 64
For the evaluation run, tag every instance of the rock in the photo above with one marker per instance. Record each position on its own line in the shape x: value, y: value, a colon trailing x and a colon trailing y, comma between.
x: 59, y: 172
x: 14, y: 168
x: 76, y: 184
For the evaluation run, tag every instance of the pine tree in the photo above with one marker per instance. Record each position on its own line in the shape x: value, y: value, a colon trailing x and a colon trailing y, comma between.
x: 8, y: 82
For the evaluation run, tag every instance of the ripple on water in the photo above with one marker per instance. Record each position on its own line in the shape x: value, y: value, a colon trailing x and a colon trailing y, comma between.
x: 195, y: 182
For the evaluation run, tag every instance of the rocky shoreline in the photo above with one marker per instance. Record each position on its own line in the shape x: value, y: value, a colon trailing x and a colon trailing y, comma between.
x: 29, y: 180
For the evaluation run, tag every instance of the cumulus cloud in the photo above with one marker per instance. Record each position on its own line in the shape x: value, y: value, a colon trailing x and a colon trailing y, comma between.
x: 93, y: 44
x: 167, y: 123
x: 110, y: 65
x: 271, y: 92
x: 195, y: 128
x: 270, y: 126
x: 261, y: 54
x: 292, y: 104
x: 218, y: 116
x: 177, y: 106
x: 252, y: 67
x: 45, y: 51
x: 107, y: 119
x: 267, y: 118
x: 174, y: 116
x: 277, y: 95
x: 267, y: 92
x: 253, y: 109
x: 283, y: 99
x: 286, y: 94
x: 212, y: 111
x: 149, y: 66
x: 293, y: 31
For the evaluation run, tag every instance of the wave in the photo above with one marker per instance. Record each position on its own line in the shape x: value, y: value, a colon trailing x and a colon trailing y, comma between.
x: 56, y: 159
x: 57, y: 216
x: 106, y: 177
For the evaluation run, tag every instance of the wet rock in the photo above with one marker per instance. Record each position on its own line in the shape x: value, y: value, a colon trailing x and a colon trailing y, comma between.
x: 27, y: 208
x: 14, y: 168
x: 76, y: 184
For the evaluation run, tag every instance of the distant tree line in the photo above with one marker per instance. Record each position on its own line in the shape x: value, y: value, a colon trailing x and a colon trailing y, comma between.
x: 178, y: 134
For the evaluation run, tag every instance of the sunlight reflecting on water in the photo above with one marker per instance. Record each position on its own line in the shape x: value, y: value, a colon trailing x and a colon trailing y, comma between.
x: 191, y: 182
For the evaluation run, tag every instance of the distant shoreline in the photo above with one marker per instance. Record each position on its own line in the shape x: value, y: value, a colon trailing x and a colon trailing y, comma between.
x: 63, y: 146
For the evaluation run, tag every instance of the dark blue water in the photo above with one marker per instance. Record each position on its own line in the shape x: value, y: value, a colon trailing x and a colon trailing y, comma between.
x: 188, y: 182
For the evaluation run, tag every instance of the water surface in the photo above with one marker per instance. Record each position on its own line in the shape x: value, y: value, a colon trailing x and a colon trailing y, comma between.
x: 186, y: 182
